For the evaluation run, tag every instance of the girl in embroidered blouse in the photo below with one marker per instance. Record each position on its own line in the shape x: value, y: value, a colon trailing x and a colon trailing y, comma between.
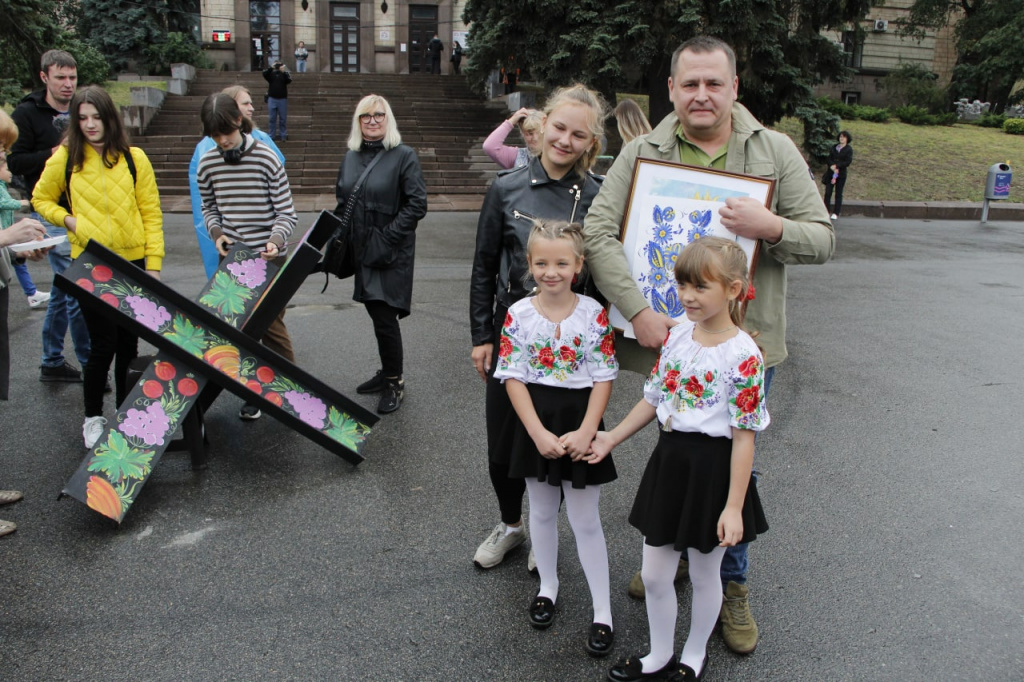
x: 697, y: 494
x: 557, y: 361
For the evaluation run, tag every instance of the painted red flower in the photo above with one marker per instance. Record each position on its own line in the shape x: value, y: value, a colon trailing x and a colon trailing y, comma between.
x: 546, y: 357
x: 101, y: 273
x: 188, y: 387
x: 708, y: 377
x: 86, y: 284
x: 602, y: 318
x: 504, y: 347
x: 152, y: 389
x: 568, y: 355
x: 165, y: 371
x: 748, y: 399
x: 608, y: 346
x: 749, y: 367
x: 671, y: 380
x: 265, y: 374
x: 693, y: 387
x: 111, y: 299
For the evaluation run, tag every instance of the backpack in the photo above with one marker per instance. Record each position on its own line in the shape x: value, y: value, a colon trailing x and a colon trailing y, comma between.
x: 65, y: 198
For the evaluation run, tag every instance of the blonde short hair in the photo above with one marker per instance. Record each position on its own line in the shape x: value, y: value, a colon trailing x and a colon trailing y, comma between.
x: 369, y: 105
x: 8, y: 131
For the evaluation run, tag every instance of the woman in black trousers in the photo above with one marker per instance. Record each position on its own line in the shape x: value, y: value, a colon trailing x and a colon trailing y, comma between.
x: 839, y: 159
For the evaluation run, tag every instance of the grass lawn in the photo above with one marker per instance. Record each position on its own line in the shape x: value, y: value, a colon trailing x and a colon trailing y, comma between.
x: 899, y: 162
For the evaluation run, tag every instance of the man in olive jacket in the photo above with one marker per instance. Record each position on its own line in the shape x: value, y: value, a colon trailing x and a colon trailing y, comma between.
x: 709, y: 128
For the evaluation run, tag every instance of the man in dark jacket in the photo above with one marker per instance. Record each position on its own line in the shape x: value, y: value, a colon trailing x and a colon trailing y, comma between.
x: 41, y: 118
x: 278, y: 78
x: 435, y: 48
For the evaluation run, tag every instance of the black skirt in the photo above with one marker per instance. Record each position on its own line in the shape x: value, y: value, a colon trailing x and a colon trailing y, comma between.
x: 684, y: 490
x: 561, y: 410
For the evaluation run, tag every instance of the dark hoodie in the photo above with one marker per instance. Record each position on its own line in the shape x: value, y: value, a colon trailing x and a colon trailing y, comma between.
x: 40, y: 129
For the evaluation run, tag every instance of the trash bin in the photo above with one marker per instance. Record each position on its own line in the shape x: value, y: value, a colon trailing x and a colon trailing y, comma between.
x: 997, y: 186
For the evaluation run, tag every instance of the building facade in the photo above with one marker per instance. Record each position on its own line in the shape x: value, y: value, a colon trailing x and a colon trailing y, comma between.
x: 341, y: 37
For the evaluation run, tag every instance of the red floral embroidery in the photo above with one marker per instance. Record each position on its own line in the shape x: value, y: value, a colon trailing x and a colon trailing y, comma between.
x: 709, y: 377
x: 608, y: 346
x: 671, y: 380
x: 508, y: 319
x: 546, y: 357
x: 504, y: 347
x: 748, y: 399
x: 693, y: 387
x: 602, y: 318
x: 749, y: 367
x: 567, y: 355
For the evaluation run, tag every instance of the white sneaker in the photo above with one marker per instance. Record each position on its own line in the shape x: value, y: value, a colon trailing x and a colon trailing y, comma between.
x: 39, y: 299
x: 92, y: 429
x: 497, y: 545
x: 834, y: 216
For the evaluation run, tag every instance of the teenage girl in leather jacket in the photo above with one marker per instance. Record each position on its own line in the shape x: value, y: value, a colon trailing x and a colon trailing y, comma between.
x: 556, y: 185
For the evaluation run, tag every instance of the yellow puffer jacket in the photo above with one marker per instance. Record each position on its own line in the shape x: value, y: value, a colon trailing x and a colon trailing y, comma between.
x: 126, y: 219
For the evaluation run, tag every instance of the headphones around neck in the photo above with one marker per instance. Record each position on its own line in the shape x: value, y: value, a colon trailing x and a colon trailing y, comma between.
x: 234, y: 156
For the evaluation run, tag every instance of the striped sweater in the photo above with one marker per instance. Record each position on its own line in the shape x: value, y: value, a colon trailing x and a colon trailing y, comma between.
x: 251, y: 201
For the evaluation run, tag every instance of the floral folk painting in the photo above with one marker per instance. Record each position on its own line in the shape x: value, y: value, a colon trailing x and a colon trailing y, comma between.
x: 671, y: 205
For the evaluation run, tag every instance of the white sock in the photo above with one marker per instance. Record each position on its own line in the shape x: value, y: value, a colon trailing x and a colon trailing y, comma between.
x: 659, y: 574
x: 582, y: 507
x: 544, y: 502
x: 705, y: 577
x: 513, y: 529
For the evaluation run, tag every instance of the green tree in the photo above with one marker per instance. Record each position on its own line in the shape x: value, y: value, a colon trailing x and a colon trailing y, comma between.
x: 987, y: 33
x: 781, y: 54
x: 123, y: 29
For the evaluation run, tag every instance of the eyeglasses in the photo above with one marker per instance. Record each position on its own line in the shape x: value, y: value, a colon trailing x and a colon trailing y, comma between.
x: 376, y: 116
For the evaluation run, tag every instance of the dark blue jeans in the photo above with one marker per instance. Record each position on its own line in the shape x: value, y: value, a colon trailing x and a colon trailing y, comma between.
x: 63, y: 311
x: 278, y: 108
x: 735, y: 563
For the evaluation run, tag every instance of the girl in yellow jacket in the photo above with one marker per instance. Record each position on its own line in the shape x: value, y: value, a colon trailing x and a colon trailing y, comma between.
x: 108, y: 205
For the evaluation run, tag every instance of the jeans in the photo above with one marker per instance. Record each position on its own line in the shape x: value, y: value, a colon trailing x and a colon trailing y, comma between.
x: 735, y: 563
x: 25, y: 279
x: 300, y: 66
x: 278, y: 108
x: 63, y: 311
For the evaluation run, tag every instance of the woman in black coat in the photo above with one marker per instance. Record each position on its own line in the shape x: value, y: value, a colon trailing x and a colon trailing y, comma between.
x: 386, y: 210
x: 839, y: 159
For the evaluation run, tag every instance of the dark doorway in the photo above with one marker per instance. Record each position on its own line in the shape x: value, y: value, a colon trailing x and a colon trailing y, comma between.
x: 265, y: 28
x: 345, y: 37
x: 422, y: 27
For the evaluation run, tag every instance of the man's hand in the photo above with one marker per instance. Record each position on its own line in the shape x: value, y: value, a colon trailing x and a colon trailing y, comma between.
x: 747, y: 217
x: 651, y: 328
x: 481, y: 357
x: 223, y: 244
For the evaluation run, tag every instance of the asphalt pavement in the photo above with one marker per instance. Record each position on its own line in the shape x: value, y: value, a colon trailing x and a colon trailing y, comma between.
x: 891, y: 478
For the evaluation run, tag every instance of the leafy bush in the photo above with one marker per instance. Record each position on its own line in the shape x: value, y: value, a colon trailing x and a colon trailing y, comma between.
x: 873, y: 114
x: 912, y: 84
x: 10, y: 91
x: 821, y: 128
x: 991, y: 121
x: 853, y: 112
x: 180, y: 48
x: 1014, y: 126
x: 917, y: 116
x: 93, y: 68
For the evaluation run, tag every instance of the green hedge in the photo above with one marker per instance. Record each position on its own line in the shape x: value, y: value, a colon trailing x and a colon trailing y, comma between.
x: 853, y: 112
x: 1014, y: 126
x: 919, y: 116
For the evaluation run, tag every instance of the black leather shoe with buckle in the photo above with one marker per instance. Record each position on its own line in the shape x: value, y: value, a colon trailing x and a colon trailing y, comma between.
x: 631, y: 669
x: 600, y: 640
x: 542, y: 613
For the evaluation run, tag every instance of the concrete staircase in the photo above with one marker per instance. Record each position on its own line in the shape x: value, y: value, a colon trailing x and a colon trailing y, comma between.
x: 438, y: 116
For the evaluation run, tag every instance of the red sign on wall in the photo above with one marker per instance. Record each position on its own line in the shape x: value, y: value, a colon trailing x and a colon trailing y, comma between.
x: 222, y: 36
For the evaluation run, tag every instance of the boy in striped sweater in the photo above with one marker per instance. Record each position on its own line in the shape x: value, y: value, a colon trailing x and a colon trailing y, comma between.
x: 246, y: 198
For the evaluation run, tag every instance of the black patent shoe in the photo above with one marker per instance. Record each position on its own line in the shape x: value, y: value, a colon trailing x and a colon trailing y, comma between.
x: 600, y: 640
x: 391, y: 398
x: 374, y: 385
x: 630, y: 669
x: 684, y: 673
x: 542, y: 613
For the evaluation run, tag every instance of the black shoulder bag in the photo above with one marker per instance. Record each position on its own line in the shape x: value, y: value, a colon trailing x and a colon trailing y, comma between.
x: 339, y: 256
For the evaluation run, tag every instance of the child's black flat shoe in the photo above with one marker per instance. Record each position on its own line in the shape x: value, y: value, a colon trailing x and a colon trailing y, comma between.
x: 600, y: 640
x: 542, y: 613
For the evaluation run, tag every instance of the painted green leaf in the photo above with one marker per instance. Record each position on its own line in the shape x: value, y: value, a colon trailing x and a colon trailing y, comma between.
x: 346, y: 430
x: 226, y: 296
x: 187, y: 336
x: 117, y: 459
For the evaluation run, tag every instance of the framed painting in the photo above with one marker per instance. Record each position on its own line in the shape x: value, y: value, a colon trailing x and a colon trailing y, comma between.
x: 670, y: 205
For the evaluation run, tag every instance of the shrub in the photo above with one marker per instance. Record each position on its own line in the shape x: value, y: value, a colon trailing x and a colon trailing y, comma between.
x: 180, y: 48
x: 873, y: 114
x: 991, y: 121
x: 853, y: 112
x: 1014, y: 126
x: 914, y: 115
x: 911, y: 84
x: 93, y: 68
x: 821, y: 128
x: 10, y: 91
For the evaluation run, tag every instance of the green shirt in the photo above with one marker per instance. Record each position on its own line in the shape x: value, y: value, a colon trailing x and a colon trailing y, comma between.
x: 691, y: 154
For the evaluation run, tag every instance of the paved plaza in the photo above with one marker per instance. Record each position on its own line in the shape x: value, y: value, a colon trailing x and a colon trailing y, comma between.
x: 891, y: 478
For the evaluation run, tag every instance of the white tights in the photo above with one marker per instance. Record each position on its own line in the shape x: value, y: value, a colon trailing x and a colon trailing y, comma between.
x: 581, y: 506
x: 659, y: 572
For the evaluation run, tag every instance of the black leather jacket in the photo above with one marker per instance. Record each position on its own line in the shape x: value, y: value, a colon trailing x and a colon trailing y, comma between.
x: 517, y: 196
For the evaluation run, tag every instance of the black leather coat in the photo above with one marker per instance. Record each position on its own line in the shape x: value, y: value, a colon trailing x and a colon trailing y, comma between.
x: 500, y: 271
x: 384, y: 220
